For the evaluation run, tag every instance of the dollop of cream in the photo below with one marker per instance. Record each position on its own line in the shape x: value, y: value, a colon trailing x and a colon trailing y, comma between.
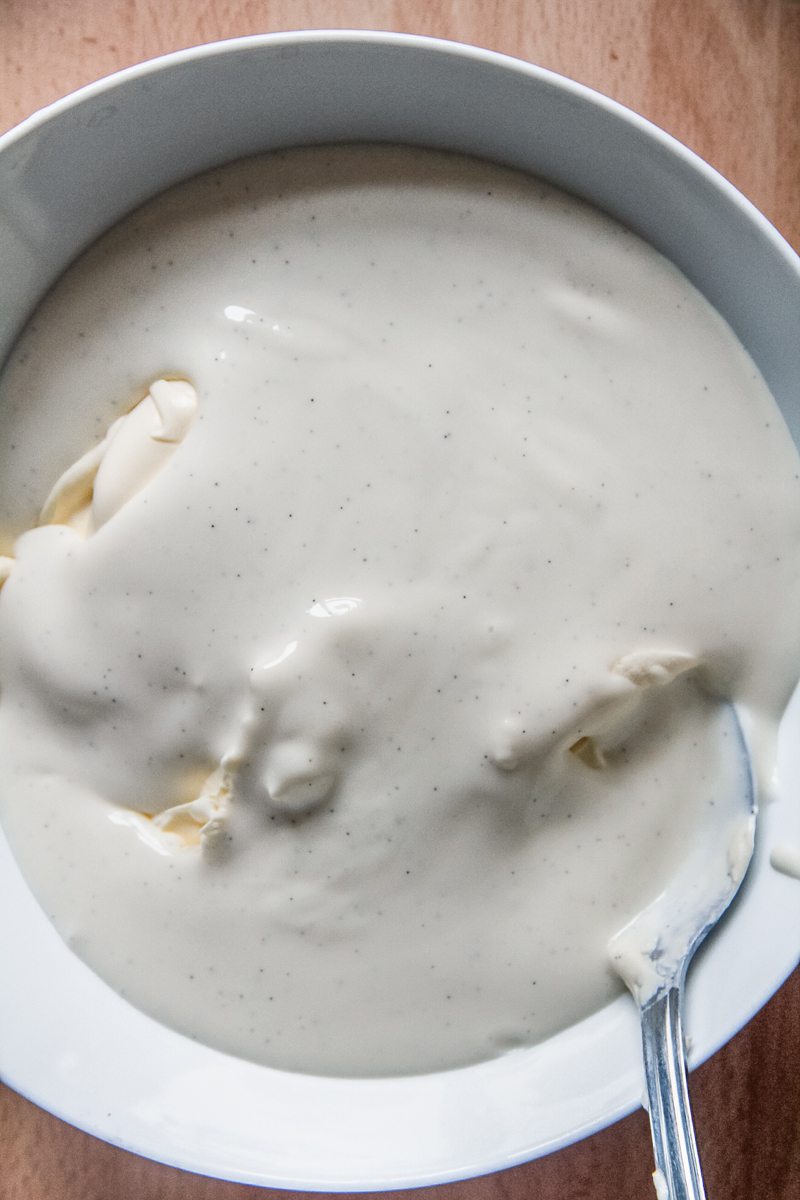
x: 786, y: 859
x: 136, y: 447
x: 196, y: 824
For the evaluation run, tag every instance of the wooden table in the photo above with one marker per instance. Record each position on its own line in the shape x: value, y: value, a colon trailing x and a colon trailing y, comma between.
x: 724, y: 77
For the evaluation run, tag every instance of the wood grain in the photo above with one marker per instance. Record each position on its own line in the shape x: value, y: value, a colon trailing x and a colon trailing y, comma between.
x: 724, y: 77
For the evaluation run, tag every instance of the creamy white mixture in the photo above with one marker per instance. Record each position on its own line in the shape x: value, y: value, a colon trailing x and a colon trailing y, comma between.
x: 365, y: 689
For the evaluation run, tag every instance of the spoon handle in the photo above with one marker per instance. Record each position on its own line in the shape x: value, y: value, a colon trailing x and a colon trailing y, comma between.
x: 671, y: 1126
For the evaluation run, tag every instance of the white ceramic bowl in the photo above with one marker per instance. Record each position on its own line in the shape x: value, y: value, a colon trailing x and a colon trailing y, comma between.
x: 68, y: 173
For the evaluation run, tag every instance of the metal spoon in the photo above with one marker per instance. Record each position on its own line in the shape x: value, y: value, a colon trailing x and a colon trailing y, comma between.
x: 653, y: 952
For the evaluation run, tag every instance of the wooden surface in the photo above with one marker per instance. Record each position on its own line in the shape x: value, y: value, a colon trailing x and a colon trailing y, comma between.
x: 724, y: 77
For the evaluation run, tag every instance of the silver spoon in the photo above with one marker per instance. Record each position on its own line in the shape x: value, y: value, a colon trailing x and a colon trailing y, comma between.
x: 653, y: 952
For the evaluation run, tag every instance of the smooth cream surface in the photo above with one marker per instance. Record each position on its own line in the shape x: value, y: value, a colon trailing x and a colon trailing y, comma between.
x: 366, y: 694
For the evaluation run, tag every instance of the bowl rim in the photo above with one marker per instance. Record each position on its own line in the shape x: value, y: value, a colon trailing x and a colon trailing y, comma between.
x: 418, y: 41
